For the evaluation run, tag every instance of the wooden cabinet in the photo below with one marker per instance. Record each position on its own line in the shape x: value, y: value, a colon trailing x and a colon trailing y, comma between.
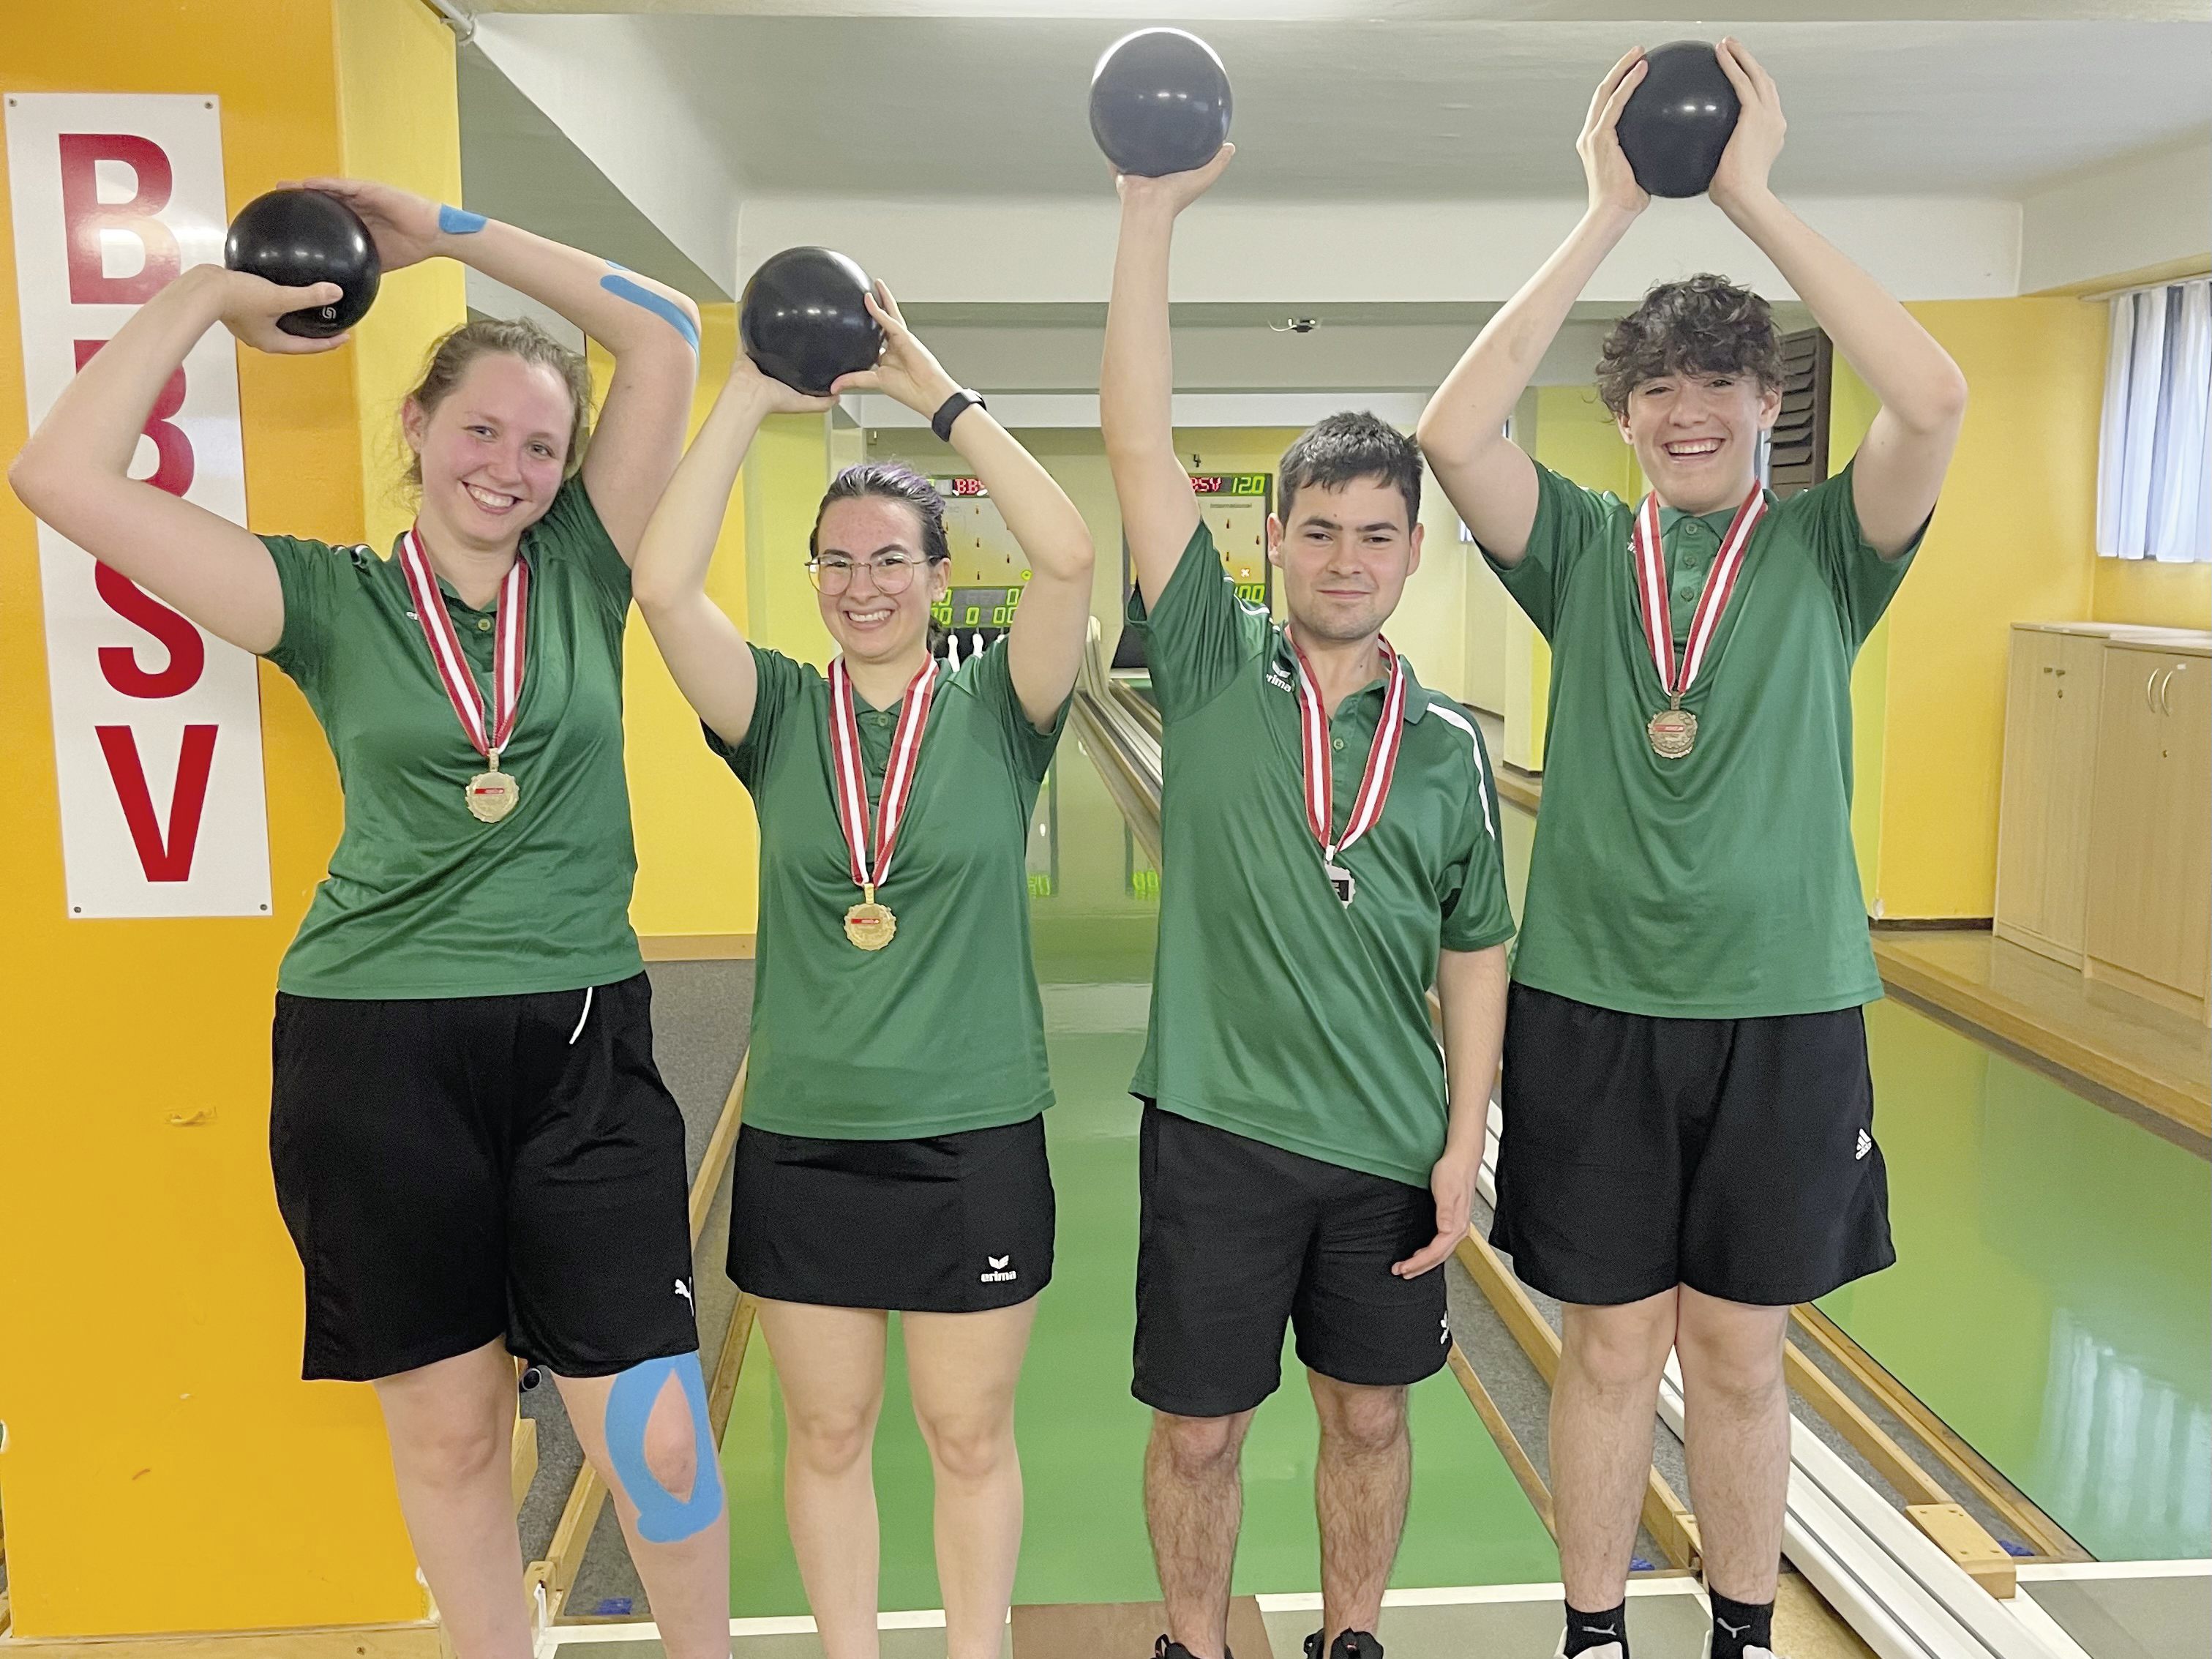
x: 2150, y: 877
x: 2105, y: 832
x: 2050, y: 767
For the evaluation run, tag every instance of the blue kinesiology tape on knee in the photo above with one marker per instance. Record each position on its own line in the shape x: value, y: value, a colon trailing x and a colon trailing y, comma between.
x: 667, y: 310
x: 662, y: 1517
x: 459, y: 222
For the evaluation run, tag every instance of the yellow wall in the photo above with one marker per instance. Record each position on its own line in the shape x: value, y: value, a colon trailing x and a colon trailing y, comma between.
x: 165, y: 1467
x: 698, y: 842
x: 2009, y: 544
x: 2160, y: 595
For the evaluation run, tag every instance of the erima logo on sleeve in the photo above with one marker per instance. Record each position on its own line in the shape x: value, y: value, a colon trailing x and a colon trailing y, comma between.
x: 1001, y: 1273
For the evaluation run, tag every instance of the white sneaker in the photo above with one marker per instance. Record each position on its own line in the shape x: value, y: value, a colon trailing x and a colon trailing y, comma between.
x: 1605, y: 1651
x: 1752, y: 1651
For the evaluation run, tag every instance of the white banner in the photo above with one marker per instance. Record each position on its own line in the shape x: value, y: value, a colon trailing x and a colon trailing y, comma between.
x: 157, y: 726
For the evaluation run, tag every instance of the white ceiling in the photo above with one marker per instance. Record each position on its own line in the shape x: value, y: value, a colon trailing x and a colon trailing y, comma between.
x: 1343, y: 109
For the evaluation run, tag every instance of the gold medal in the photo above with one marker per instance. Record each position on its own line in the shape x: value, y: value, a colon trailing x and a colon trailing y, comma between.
x: 492, y: 795
x: 870, y: 925
x: 1673, y: 732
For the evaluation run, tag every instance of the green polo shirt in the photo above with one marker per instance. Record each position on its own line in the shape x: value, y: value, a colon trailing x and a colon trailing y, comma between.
x: 1279, y: 1013
x: 1721, y: 886
x: 940, y: 1030
x: 422, y: 899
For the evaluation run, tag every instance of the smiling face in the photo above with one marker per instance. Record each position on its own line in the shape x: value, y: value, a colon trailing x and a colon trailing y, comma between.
x: 492, y: 452
x: 1345, y: 554
x: 869, y: 624
x: 1697, y: 435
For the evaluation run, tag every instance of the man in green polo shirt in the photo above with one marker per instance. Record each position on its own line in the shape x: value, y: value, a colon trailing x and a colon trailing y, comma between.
x: 1689, y: 1139
x: 1308, y: 1153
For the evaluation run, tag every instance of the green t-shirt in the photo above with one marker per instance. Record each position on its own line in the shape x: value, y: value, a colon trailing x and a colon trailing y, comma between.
x: 1722, y: 884
x: 422, y: 899
x: 941, y: 1031
x: 1279, y: 1013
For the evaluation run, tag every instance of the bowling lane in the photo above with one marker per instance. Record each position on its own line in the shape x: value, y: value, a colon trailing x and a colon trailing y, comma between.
x: 1082, y: 1436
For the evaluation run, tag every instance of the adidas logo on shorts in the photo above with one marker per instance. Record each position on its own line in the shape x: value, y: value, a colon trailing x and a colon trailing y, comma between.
x: 1866, y: 1144
x: 1001, y: 1271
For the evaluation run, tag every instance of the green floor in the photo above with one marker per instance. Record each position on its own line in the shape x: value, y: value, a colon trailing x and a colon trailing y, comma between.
x: 2052, y: 1300
x: 1082, y: 1436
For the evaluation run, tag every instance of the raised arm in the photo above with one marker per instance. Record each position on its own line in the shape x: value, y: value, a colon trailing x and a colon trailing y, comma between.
x: 651, y: 331
x: 75, y: 471
x: 1899, y: 467
x: 1136, y: 385
x: 1044, y: 648
x: 1462, y: 431
x: 711, y: 665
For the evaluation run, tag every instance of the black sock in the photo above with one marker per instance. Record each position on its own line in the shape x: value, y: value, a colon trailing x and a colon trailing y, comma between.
x: 1594, y: 1630
x: 1740, y: 1625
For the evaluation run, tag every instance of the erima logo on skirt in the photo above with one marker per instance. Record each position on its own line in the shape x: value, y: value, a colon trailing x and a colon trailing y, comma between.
x: 1001, y: 1271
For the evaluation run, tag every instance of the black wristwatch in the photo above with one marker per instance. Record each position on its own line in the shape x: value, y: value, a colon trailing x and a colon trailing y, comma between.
x: 950, y: 410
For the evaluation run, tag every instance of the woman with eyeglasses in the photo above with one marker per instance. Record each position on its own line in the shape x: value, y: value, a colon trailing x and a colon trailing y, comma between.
x: 893, y: 1152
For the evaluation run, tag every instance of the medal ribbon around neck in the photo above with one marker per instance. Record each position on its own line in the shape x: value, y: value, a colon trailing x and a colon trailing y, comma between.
x: 1382, y: 757
x: 454, y: 672
x: 1720, y: 582
x: 851, y: 779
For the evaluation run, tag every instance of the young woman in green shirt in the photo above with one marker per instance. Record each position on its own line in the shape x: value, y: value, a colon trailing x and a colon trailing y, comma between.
x: 473, y: 1151
x: 893, y: 1152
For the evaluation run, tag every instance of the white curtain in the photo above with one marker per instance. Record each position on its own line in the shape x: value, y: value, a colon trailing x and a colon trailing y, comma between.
x: 2153, y: 477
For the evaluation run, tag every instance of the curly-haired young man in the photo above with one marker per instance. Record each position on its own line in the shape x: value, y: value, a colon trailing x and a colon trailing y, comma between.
x: 1688, y: 1142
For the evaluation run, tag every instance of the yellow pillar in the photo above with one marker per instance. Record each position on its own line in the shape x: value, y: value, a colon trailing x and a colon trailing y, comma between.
x: 698, y: 842
x: 164, y: 1468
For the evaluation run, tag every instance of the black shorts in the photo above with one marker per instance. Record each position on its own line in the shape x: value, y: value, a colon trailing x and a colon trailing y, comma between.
x: 456, y: 1169
x: 945, y: 1224
x: 1733, y: 1155
x: 1239, y: 1236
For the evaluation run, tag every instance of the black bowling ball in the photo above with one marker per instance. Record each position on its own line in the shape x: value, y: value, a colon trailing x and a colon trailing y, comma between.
x: 1674, y: 126
x: 803, y: 319
x: 1159, y: 103
x: 296, y: 237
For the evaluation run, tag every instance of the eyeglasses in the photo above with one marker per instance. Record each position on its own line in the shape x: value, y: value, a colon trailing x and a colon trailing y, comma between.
x: 892, y: 572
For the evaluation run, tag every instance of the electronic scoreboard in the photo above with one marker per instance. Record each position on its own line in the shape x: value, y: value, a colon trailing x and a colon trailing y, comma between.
x: 1234, y: 505
x: 988, y: 572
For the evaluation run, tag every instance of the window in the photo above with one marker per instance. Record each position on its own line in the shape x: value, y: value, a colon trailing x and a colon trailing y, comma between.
x: 2154, y: 487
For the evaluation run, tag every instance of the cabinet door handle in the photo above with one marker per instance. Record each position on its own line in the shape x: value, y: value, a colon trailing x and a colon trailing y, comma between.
x: 2150, y: 692
x: 2165, y: 687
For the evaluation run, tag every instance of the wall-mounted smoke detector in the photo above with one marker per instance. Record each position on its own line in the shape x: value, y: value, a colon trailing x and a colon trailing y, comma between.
x: 1295, y: 325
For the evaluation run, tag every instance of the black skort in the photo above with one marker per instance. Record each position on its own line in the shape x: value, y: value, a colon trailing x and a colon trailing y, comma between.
x: 942, y: 1223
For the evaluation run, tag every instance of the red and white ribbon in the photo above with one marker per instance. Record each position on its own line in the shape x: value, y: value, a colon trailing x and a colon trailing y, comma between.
x: 1382, y: 757
x: 453, y: 672
x: 1720, y: 582
x: 850, y: 777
